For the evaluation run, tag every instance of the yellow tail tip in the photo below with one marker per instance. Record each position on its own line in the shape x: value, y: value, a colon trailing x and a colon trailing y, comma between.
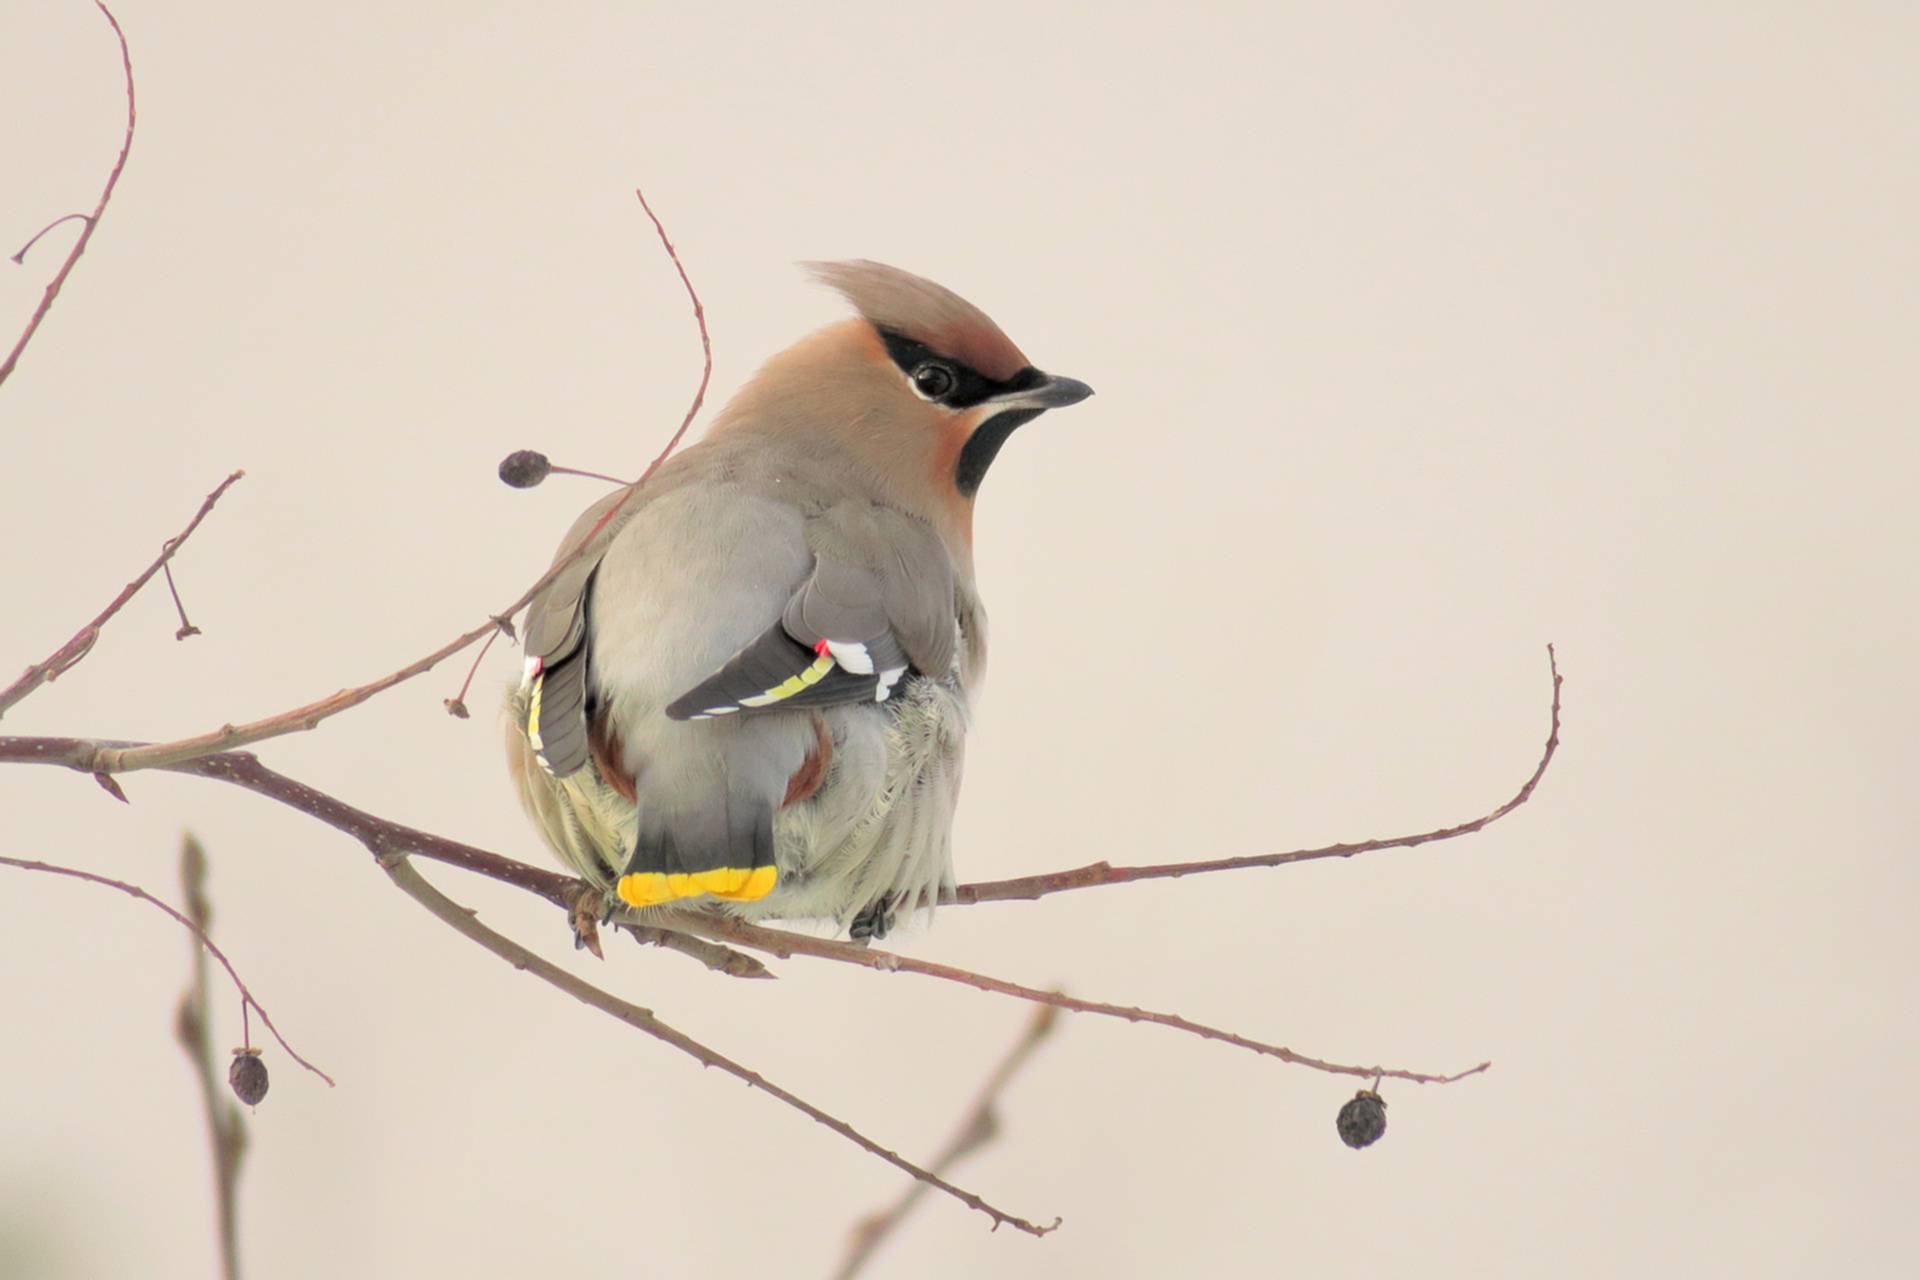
x: 736, y: 884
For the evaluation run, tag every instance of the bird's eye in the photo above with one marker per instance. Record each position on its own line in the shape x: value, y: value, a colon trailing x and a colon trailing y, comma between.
x: 934, y: 380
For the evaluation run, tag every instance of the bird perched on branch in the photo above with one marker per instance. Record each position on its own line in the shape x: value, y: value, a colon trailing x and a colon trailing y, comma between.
x: 752, y: 691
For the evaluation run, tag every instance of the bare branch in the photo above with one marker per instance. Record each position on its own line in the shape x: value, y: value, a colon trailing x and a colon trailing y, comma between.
x: 780, y: 942
x: 69, y: 654
x: 92, y: 220
x: 382, y: 836
x: 388, y: 837
x: 226, y: 737
x: 137, y: 892
x: 464, y: 922
x: 1099, y: 874
x: 735, y: 964
x: 979, y: 1126
x: 391, y: 841
x: 379, y: 835
x: 226, y: 1132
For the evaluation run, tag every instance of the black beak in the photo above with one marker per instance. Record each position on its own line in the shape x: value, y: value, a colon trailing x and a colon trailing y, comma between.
x: 1007, y: 413
x: 1051, y: 392
x: 1057, y: 393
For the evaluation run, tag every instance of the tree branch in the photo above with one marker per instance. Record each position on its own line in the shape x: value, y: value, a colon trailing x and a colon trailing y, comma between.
x: 163, y: 754
x: 979, y: 1126
x: 381, y: 835
x: 1100, y: 874
x: 137, y: 892
x: 69, y: 654
x: 391, y: 842
x: 464, y: 922
x: 384, y: 838
x: 734, y: 964
x: 92, y: 220
x: 784, y: 944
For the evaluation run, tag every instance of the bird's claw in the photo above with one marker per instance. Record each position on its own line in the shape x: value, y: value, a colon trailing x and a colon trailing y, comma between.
x: 873, y: 924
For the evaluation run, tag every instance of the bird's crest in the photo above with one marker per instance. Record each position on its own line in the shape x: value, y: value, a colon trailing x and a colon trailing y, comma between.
x: 917, y: 308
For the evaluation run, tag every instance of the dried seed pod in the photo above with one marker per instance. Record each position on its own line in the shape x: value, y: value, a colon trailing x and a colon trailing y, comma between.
x: 525, y: 468
x: 1362, y: 1120
x: 248, y: 1076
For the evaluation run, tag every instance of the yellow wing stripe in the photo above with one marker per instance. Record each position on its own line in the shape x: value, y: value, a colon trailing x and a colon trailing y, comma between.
x: 533, y: 715
x: 736, y: 884
x: 813, y: 675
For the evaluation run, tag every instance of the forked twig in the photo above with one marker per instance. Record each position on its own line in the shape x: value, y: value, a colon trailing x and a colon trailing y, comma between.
x: 92, y: 220
x: 389, y: 841
x: 162, y: 754
x: 384, y: 837
x: 465, y: 923
x: 136, y: 891
x: 68, y: 655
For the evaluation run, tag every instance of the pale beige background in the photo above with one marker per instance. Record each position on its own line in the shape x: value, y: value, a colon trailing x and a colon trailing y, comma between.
x: 1423, y: 335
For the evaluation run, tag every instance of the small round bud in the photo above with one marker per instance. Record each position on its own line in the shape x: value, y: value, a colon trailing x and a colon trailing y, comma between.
x: 1362, y: 1120
x: 248, y: 1076
x: 525, y: 468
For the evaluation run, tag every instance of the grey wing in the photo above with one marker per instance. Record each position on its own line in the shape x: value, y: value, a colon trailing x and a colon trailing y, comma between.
x: 879, y: 603
x: 556, y: 647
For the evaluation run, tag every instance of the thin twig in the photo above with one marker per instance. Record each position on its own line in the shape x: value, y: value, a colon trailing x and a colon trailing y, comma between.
x: 69, y: 654
x: 464, y: 922
x: 186, y: 628
x: 699, y: 320
x: 586, y: 475
x: 1100, y: 874
x: 92, y: 220
x: 979, y: 1126
x: 137, y: 892
x: 457, y: 705
x: 226, y: 1131
x: 226, y: 737
x: 780, y: 942
x: 20, y: 257
x: 720, y: 959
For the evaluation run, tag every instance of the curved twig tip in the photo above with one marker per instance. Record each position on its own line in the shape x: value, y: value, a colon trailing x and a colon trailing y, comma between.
x: 135, y: 891
x: 20, y: 258
x: 92, y: 220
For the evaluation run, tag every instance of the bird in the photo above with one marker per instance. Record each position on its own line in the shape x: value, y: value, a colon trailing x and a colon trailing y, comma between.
x: 751, y: 693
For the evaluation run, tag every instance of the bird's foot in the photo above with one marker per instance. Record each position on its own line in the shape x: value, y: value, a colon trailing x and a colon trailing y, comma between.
x: 873, y: 924
x: 585, y: 918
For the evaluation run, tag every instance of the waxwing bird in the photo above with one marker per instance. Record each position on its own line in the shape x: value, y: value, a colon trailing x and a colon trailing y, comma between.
x: 752, y: 691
